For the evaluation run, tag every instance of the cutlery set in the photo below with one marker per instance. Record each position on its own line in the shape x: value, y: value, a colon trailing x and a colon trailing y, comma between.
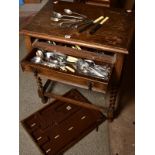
x: 72, y: 64
x: 76, y: 20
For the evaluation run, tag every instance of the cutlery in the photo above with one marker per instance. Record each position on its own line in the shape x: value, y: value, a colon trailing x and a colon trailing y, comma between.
x: 37, y: 59
x: 81, y: 23
x: 90, y: 24
x: 56, y: 19
x: 69, y: 24
x: 59, y: 15
x: 99, y: 25
x: 70, y: 12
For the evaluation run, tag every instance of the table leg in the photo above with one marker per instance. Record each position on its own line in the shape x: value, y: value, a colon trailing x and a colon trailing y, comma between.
x: 44, y: 99
x: 28, y: 43
x: 113, y: 93
x: 112, y: 99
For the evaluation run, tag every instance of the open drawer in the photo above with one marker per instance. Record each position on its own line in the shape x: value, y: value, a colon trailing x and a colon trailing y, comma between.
x: 64, y: 64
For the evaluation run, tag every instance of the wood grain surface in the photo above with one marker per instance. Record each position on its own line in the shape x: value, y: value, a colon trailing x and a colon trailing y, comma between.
x: 115, y: 34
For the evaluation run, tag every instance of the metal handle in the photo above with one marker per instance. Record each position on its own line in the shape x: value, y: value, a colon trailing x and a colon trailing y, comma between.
x: 72, y: 16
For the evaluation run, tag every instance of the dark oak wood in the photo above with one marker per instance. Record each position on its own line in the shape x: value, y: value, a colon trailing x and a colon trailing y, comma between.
x: 64, y: 77
x: 76, y: 53
x: 113, y: 36
x: 111, y: 98
x: 118, y: 67
x: 75, y: 102
x: 32, y: 1
x: 55, y: 128
x: 128, y: 5
x: 28, y: 43
x: 44, y: 99
x: 104, y: 3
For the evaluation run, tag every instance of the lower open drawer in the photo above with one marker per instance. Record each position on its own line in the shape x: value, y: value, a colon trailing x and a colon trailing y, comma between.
x: 74, y: 74
x: 59, y: 125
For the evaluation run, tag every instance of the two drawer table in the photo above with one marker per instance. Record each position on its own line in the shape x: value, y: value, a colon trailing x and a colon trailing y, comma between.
x: 107, y: 47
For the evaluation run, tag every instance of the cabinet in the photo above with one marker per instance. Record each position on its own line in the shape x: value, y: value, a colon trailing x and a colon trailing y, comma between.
x: 108, y: 46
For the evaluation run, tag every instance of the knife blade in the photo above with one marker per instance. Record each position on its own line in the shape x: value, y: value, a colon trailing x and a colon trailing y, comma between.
x: 90, y: 24
x: 93, y: 30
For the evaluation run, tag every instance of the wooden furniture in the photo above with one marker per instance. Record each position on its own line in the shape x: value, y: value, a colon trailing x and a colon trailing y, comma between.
x: 32, y: 1
x: 59, y: 125
x: 105, y: 3
x: 123, y: 4
x: 128, y: 5
x: 109, y: 45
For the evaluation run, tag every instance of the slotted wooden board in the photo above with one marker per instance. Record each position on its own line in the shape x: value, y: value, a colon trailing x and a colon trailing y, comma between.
x: 58, y: 126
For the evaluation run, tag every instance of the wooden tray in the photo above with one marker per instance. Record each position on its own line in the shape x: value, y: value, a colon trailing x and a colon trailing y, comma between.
x: 58, y: 126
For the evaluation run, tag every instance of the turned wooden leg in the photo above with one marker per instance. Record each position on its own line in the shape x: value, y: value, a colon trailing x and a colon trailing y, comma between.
x: 97, y: 128
x: 113, y: 94
x: 40, y: 88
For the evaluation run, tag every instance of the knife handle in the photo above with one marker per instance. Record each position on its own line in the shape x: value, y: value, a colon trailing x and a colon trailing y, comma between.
x: 90, y: 24
x: 93, y: 30
x: 98, y: 26
x: 83, y: 23
x: 85, y: 27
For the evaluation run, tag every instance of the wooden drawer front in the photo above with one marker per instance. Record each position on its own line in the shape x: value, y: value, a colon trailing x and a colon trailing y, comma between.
x: 75, y: 79
x: 105, y: 3
x: 86, y: 53
x: 66, y: 78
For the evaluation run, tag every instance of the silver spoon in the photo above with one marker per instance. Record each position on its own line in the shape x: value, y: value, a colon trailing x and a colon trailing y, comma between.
x: 65, y: 23
x: 68, y: 24
x: 40, y: 54
x: 70, y: 12
x: 36, y: 59
x: 56, y: 19
x: 59, y: 15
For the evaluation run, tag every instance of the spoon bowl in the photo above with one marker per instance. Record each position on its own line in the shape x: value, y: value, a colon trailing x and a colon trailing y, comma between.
x: 40, y: 54
x: 36, y: 59
x: 59, y: 15
x: 70, y: 12
x: 56, y: 19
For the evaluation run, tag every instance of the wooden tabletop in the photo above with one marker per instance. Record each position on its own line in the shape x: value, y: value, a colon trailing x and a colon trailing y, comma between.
x: 115, y: 35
